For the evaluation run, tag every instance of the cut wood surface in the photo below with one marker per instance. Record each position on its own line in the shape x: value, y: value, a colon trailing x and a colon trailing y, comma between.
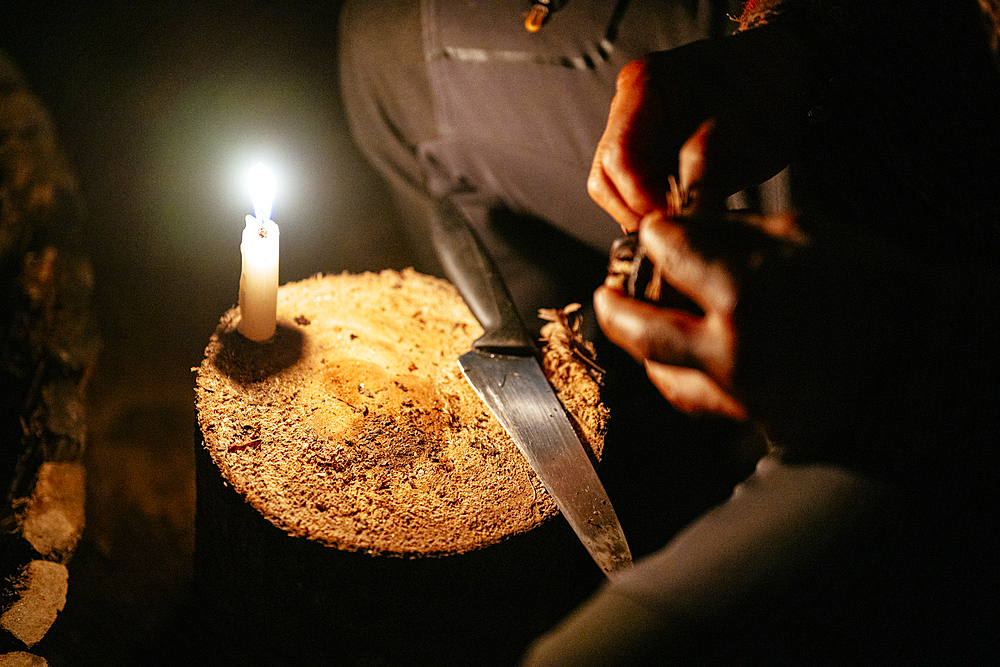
x: 22, y: 659
x: 355, y: 428
x: 356, y: 496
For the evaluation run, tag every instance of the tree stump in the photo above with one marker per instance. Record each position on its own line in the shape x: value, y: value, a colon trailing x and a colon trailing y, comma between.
x: 48, y: 346
x: 358, y: 503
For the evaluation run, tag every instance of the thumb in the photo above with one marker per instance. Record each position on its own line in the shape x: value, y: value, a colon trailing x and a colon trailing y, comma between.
x: 692, y: 391
x: 725, y: 155
x: 695, y: 170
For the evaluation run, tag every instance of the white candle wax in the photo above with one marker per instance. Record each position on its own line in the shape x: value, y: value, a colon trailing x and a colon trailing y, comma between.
x: 259, y: 278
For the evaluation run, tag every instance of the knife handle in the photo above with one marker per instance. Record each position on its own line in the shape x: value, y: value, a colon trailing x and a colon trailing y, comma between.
x: 471, y: 269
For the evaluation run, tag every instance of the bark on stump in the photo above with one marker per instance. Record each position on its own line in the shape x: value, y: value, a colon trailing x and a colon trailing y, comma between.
x: 358, y: 504
x: 48, y: 345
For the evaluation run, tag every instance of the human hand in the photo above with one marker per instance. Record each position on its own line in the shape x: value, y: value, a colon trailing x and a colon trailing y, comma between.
x: 722, y: 115
x: 688, y: 355
x: 687, y: 339
x: 628, y: 177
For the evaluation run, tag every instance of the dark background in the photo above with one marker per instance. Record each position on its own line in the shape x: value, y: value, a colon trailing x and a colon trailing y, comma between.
x: 162, y: 107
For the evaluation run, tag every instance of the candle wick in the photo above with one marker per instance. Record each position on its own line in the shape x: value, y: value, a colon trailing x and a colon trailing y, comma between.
x: 262, y: 232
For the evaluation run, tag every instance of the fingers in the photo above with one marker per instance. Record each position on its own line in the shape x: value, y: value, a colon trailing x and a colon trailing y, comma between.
x: 692, y: 391
x: 694, y: 173
x: 668, y: 343
x: 708, y: 284
x: 605, y: 192
x: 724, y: 155
x: 626, y: 170
x: 665, y: 338
x: 646, y: 331
x: 783, y: 226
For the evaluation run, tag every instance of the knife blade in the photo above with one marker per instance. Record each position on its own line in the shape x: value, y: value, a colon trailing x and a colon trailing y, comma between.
x: 503, y: 369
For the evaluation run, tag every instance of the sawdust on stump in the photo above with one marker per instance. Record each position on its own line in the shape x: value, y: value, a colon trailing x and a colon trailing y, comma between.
x: 354, y: 427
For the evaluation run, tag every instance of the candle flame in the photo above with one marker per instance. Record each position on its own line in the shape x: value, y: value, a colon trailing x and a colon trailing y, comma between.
x: 262, y: 191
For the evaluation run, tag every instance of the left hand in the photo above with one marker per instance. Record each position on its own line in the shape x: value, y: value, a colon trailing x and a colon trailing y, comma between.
x: 720, y: 114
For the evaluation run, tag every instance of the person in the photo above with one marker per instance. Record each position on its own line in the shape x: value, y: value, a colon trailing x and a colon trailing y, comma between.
x: 457, y: 100
x: 857, y: 331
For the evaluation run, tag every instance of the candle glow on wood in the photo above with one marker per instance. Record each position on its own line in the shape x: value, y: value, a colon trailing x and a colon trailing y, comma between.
x: 259, y: 279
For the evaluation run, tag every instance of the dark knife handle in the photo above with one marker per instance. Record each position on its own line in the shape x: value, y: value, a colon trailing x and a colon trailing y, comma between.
x: 473, y: 272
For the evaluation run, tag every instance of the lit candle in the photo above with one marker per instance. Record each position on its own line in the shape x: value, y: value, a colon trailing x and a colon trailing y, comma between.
x: 259, y: 280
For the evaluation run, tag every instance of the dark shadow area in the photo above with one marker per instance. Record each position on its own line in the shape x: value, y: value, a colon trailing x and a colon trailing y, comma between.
x: 262, y: 598
x: 246, y: 362
x: 559, y: 256
x: 573, y: 269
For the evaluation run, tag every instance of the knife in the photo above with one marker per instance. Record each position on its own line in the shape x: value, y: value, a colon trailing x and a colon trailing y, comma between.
x: 503, y: 369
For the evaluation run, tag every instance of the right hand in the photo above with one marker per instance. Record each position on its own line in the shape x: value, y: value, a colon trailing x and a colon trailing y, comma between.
x: 722, y: 115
